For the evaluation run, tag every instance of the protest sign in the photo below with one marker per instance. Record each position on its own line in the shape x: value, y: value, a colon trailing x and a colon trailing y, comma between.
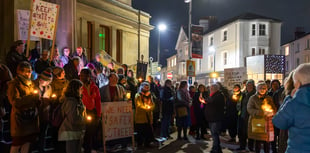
x: 234, y: 76
x: 23, y: 25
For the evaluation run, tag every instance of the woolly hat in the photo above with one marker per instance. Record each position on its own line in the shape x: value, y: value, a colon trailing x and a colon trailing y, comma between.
x: 46, y: 75
x: 57, y: 70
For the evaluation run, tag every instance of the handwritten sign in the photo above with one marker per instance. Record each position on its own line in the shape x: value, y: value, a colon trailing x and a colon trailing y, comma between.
x: 23, y: 25
x: 117, y: 120
x: 44, y: 16
x: 234, y: 76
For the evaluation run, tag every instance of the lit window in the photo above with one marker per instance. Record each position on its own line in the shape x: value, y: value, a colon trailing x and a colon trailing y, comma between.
x: 287, y: 50
x: 262, y: 29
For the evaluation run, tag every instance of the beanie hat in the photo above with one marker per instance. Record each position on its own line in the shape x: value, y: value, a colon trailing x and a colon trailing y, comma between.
x: 57, y: 70
x: 46, y: 75
x: 250, y: 81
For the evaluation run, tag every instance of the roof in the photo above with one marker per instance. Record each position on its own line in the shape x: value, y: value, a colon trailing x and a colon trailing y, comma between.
x: 300, y: 37
x: 244, y: 16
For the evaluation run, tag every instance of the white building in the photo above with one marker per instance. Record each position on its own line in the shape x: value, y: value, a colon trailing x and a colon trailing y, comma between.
x: 296, y: 52
x: 234, y: 40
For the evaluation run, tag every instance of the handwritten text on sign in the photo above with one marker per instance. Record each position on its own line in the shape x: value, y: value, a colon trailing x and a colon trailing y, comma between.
x: 234, y: 76
x: 43, y: 19
x: 117, y: 120
x: 23, y: 25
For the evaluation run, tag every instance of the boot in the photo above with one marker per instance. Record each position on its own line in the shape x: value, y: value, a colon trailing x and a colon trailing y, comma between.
x: 179, y: 133
x: 185, y: 134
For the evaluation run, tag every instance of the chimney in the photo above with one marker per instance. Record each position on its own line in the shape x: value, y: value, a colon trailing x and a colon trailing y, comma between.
x: 299, y: 32
x: 208, y: 22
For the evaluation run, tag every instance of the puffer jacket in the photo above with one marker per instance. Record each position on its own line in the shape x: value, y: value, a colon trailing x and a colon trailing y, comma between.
x: 22, y: 99
x: 294, y: 115
x: 255, y: 111
x: 74, y: 114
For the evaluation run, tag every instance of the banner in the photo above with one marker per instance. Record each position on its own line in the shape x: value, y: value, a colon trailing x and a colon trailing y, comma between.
x: 23, y: 25
x: 117, y: 120
x: 234, y: 76
x: 197, y: 41
x: 190, y: 68
x: 44, y: 17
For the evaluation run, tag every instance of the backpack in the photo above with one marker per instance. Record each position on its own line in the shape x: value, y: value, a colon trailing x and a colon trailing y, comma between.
x: 56, y: 116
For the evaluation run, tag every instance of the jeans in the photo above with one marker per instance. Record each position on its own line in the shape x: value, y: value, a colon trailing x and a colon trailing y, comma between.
x: 165, y: 123
x: 215, y: 128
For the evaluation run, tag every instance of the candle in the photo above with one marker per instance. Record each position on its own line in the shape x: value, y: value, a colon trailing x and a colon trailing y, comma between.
x: 54, y: 96
x: 128, y: 95
x: 35, y: 91
x: 147, y: 106
x: 89, y: 118
x: 234, y: 97
x: 140, y: 79
x: 266, y: 107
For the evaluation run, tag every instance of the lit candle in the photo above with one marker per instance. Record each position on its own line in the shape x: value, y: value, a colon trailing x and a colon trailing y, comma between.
x: 140, y: 79
x: 147, y: 106
x: 89, y: 118
x: 35, y: 91
x: 128, y: 95
x: 54, y: 96
x: 266, y: 107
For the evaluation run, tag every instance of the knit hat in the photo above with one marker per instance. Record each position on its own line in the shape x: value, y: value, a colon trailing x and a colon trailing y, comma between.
x: 57, y: 70
x: 250, y: 81
x: 46, y: 75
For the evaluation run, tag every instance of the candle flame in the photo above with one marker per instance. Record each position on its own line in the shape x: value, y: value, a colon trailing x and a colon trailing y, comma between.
x: 234, y: 97
x: 89, y: 118
x: 128, y: 95
x: 35, y: 91
x: 54, y: 96
x: 266, y: 107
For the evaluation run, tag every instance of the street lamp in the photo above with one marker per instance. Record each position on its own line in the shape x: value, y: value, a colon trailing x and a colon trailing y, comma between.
x: 189, y: 27
x: 161, y: 27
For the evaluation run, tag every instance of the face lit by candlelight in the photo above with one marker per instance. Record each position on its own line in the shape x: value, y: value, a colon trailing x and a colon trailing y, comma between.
x: 262, y: 89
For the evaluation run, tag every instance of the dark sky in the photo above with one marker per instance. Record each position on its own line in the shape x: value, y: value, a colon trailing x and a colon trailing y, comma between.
x: 292, y: 13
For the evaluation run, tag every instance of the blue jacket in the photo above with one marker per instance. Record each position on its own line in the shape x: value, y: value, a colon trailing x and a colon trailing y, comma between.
x: 294, y: 115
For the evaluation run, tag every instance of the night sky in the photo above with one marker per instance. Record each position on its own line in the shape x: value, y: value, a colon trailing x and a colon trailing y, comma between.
x: 174, y: 13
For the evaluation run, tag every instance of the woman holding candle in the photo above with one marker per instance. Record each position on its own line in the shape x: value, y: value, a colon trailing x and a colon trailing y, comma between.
x: 261, y: 109
x: 74, y: 112
x: 144, y: 115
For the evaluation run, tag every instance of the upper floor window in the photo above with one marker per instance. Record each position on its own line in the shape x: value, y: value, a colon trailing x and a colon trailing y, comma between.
x: 253, y: 29
x: 225, y: 58
x: 225, y: 35
x: 211, y: 41
x: 262, y: 29
x: 297, y: 47
x: 253, y: 51
x: 211, y: 61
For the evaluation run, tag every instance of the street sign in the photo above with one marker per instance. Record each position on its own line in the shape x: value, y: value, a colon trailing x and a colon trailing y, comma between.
x: 190, y: 68
x: 190, y: 80
x: 169, y: 75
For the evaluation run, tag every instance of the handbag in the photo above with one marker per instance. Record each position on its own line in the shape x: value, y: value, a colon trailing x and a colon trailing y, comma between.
x: 258, y: 125
x: 182, y: 111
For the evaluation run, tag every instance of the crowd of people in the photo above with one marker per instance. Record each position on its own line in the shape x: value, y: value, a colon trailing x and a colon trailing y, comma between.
x: 61, y: 96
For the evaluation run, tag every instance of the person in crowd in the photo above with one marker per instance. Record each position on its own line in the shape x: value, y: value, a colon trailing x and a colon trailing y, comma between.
x: 198, y: 108
x: 196, y: 86
x: 232, y: 114
x: 74, y: 113
x: 92, y: 69
x: 143, y: 115
x: 177, y: 85
x: 274, y: 87
x: 167, y: 96
x: 122, y: 80
x: 35, y: 53
x: 157, y: 83
x: 79, y: 52
x: 214, y: 114
x: 101, y: 78
x: 97, y: 61
x: 125, y: 67
x: 192, y: 129
x: 91, y: 99
x: 15, y: 56
x: 5, y: 106
x: 156, y: 99
x: 182, y: 107
x: 59, y: 82
x: 65, y: 58
x: 132, y: 86
x: 111, y: 67
x: 72, y: 69
x: 120, y: 71
x: 24, y: 99
x: 243, y: 117
x: 268, y: 82
x: 42, y: 84
x: 243, y: 87
x: 261, y: 109
x: 56, y: 57
x: 226, y: 94
x: 43, y: 63
x: 112, y: 91
x: 293, y: 114
x: 288, y: 88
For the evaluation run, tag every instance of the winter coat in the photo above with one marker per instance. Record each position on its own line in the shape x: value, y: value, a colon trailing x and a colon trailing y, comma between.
x: 24, y: 115
x: 58, y: 85
x: 294, y: 115
x: 106, y: 97
x: 214, y: 109
x: 41, y: 65
x: 91, y: 99
x: 71, y: 71
x: 167, y: 96
x: 244, y: 103
x: 13, y: 58
x: 64, y: 59
x: 73, y: 125
x: 143, y: 115
x: 255, y: 111
x: 199, y: 107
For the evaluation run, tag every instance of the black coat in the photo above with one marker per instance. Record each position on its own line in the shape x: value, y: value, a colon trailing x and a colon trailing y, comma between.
x: 214, y: 110
x: 71, y: 71
x: 13, y: 58
x: 198, y: 111
x: 167, y: 96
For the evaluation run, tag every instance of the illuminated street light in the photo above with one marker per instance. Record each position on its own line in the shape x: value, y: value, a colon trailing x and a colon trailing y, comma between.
x: 161, y: 27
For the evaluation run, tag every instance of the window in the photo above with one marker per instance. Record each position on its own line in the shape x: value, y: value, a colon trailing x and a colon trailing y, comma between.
x: 225, y: 35
x: 211, y: 41
x: 262, y: 29
x: 175, y: 62
x: 104, y: 39
x: 253, y: 29
x: 90, y: 31
x: 297, y: 62
x: 225, y: 58
x: 308, y: 43
x: 253, y: 51
x: 119, y: 44
x: 183, y: 68
x: 168, y: 63
x: 287, y: 50
x: 261, y: 51
x: 297, y: 47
